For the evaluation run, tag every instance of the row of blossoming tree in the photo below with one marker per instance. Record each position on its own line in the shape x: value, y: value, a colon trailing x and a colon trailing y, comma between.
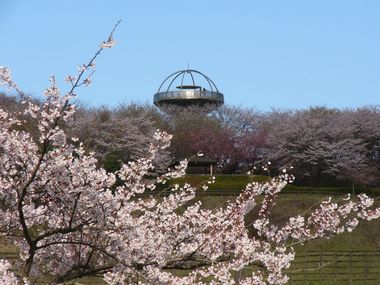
x: 70, y: 218
x: 325, y: 146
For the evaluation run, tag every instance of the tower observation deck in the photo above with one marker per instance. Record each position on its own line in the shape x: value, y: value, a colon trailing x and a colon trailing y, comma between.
x: 188, y: 87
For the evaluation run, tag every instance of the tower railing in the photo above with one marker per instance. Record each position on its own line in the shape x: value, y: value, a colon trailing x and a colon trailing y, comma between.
x: 189, y: 94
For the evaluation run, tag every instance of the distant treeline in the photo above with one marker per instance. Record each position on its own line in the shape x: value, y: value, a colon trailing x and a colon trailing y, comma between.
x: 319, y: 145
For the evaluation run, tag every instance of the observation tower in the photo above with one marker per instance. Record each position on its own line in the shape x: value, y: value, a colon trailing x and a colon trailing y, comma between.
x: 188, y: 87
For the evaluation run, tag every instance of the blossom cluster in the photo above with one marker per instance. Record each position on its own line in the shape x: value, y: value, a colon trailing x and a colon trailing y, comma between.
x: 6, y: 276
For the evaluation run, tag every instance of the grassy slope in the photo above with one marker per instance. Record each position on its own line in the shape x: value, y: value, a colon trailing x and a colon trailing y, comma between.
x: 296, y: 200
x: 238, y: 182
x: 365, y: 237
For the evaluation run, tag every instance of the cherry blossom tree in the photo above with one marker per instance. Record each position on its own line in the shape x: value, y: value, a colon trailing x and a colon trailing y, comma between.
x: 325, y: 144
x: 216, y: 143
x: 231, y: 136
x: 117, y: 135
x: 248, y: 133
x: 69, y: 219
x: 183, y: 122
x: 7, y: 277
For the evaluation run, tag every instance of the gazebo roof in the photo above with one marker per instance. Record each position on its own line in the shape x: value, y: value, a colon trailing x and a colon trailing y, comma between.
x: 199, y: 161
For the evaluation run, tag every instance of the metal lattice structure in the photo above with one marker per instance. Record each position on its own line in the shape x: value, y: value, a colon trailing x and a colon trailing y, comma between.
x: 188, y: 87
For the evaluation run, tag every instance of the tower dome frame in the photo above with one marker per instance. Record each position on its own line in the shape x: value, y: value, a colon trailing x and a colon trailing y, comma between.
x: 188, y: 94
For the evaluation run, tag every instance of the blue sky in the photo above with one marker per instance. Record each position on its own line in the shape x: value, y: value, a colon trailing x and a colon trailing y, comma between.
x: 262, y: 54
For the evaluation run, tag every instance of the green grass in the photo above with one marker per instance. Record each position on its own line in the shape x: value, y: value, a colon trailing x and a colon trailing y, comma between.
x: 222, y: 182
x: 235, y: 183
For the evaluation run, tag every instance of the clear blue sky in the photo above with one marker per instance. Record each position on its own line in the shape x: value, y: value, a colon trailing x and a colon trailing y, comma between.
x: 263, y: 54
